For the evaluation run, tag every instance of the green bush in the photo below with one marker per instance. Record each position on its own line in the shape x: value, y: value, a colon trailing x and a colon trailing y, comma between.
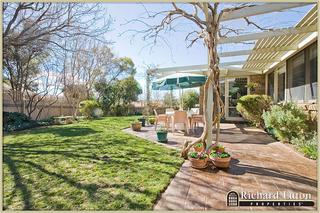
x: 90, y: 108
x: 251, y: 107
x: 307, y: 144
x: 15, y: 121
x: 287, y: 121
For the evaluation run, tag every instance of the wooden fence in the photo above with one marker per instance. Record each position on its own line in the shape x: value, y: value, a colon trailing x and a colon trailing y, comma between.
x: 59, y: 108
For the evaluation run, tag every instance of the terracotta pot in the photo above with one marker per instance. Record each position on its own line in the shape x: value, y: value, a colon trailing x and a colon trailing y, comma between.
x: 198, y: 149
x: 136, y: 126
x: 221, y: 162
x: 198, y: 163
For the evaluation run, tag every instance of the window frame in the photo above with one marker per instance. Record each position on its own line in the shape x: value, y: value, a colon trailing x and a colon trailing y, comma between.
x: 307, y: 73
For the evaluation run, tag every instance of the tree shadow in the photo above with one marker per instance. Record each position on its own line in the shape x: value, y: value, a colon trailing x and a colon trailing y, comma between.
x: 25, y: 192
x: 241, y: 169
x: 65, y: 131
x: 91, y: 188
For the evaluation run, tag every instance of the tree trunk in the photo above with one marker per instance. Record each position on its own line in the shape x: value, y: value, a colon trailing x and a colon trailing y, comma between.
x: 211, y: 90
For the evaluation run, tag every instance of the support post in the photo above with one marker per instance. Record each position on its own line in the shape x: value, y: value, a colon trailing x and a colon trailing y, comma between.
x: 209, y: 115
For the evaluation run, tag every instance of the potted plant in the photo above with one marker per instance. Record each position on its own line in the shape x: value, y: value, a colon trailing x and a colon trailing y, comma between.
x: 220, y: 159
x: 198, y: 147
x: 143, y: 121
x: 152, y: 120
x: 162, y: 134
x: 198, y: 159
x: 136, y: 126
x: 218, y: 148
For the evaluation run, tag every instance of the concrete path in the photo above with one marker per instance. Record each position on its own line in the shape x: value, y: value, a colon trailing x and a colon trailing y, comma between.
x: 259, y: 164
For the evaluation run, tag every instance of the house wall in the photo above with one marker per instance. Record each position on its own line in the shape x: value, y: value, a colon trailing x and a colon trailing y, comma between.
x: 291, y: 80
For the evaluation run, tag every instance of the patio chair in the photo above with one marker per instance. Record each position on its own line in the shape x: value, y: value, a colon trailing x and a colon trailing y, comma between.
x: 196, y: 119
x: 195, y: 111
x: 180, y: 117
x: 160, y: 118
x: 169, y: 111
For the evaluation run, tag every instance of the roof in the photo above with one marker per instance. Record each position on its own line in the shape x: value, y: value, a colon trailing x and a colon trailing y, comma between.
x: 265, y: 60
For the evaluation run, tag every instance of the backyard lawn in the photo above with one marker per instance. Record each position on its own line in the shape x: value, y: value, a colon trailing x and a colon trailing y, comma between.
x: 89, y: 165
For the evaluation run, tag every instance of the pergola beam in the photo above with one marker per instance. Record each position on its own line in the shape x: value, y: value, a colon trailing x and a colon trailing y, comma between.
x: 244, y: 62
x: 259, y: 9
x: 262, y: 50
x: 266, y: 34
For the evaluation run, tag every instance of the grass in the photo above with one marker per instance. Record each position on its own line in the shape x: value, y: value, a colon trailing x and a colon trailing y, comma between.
x: 91, y: 165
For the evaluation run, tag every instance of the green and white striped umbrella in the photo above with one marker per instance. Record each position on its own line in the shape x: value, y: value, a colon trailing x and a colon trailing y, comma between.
x: 179, y: 81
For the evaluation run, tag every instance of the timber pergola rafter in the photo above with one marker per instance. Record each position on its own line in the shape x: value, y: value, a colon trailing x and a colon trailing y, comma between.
x: 257, y: 63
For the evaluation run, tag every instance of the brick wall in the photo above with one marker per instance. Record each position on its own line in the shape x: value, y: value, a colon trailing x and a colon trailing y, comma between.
x: 260, y: 80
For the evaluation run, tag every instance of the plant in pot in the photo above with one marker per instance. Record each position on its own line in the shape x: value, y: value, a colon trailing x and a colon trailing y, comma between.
x: 198, y: 159
x: 198, y: 147
x: 143, y: 121
x: 162, y: 134
x: 152, y: 120
x: 220, y: 159
x: 218, y: 148
x: 136, y: 126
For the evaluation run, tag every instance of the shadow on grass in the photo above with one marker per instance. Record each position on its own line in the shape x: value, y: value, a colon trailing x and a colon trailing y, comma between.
x: 25, y: 193
x: 64, y: 131
x: 91, y: 188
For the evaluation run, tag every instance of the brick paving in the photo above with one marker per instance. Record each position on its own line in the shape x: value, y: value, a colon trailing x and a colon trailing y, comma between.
x: 259, y: 164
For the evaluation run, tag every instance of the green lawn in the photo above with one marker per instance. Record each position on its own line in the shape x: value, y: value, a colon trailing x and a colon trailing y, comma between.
x: 91, y: 165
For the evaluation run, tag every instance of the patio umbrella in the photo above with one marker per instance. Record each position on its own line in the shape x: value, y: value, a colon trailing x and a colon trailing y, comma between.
x: 179, y: 81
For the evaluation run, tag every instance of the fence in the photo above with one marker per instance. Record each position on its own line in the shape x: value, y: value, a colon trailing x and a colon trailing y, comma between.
x: 61, y: 107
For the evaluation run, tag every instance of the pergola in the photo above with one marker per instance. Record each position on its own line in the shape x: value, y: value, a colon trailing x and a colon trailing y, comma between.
x: 271, y: 47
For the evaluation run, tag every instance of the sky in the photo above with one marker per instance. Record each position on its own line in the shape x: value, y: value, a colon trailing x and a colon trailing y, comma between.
x: 174, y: 51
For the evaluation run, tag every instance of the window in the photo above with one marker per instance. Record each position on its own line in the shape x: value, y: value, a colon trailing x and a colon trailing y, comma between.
x: 281, y: 86
x: 296, y: 77
x: 302, y: 75
x: 271, y: 84
x: 313, y: 71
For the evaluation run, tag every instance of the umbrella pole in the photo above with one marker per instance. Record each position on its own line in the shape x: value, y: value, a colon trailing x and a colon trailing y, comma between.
x: 171, y: 98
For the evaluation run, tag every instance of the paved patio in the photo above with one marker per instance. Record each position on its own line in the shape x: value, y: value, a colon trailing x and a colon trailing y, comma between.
x: 259, y: 164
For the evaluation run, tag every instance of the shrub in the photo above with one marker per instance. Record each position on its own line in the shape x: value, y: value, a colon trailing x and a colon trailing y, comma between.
x: 119, y: 110
x: 89, y: 108
x: 152, y: 120
x: 307, y: 144
x: 251, y: 107
x: 287, y: 121
x: 15, y: 121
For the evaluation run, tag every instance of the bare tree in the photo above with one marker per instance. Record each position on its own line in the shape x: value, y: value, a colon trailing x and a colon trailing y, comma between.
x: 206, y: 17
x: 30, y: 29
x: 52, y: 20
x: 46, y: 91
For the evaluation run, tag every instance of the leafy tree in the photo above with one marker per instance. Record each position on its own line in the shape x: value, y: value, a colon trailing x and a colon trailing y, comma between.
x: 190, y: 99
x: 117, y: 96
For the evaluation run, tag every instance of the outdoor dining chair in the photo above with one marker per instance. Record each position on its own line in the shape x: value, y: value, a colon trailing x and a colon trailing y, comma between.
x: 180, y: 117
x: 160, y: 118
x: 195, y: 120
